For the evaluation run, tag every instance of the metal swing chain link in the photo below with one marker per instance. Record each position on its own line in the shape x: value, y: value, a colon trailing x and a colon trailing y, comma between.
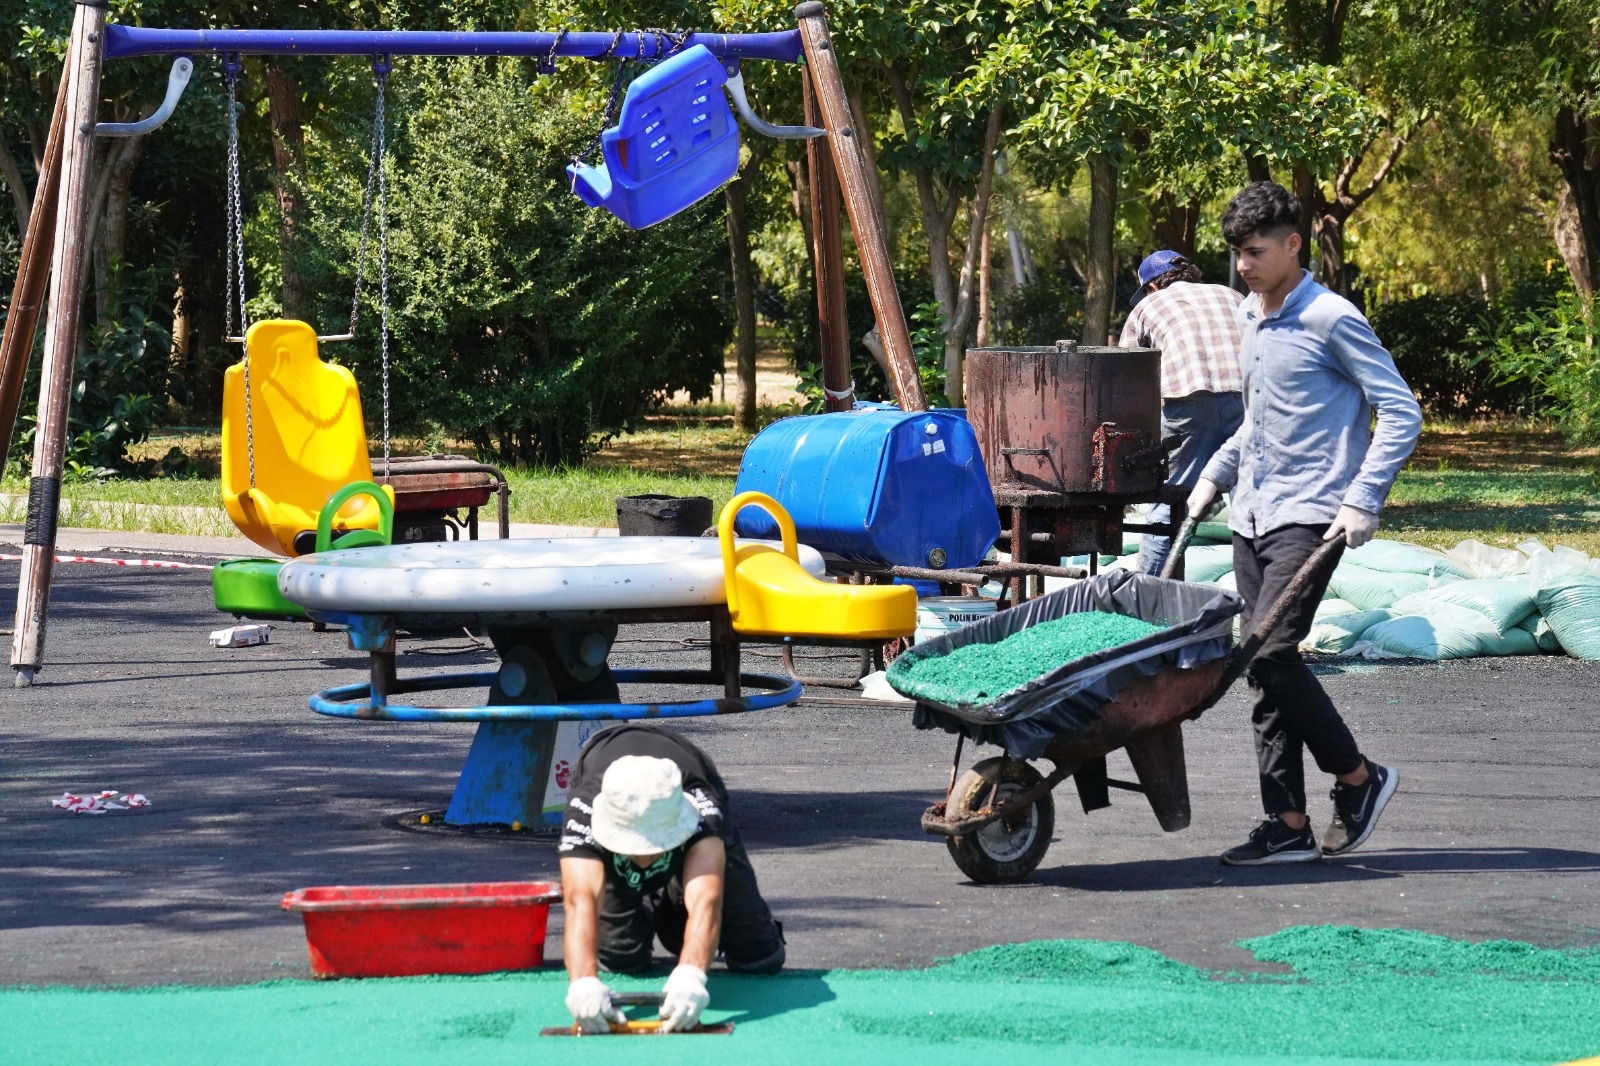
x: 381, y: 69
x: 233, y: 67
x: 375, y: 164
x: 667, y: 43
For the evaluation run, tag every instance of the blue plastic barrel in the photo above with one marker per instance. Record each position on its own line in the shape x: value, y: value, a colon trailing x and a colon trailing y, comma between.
x: 876, y: 487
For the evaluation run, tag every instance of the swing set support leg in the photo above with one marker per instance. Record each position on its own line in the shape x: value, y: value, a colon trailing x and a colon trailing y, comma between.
x: 866, y: 216
x: 82, y: 70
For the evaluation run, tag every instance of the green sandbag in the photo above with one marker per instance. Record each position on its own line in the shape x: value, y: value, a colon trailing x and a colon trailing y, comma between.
x: 1371, y: 590
x: 1543, y: 636
x: 1332, y: 605
x: 1445, y: 632
x: 1503, y: 601
x: 1571, y: 604
x: 1204, y: 563
x: 1335, y: 634
x: 1398, y: 557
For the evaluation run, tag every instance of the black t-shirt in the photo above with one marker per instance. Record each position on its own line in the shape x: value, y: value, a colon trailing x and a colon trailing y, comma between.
x: 701, y: 783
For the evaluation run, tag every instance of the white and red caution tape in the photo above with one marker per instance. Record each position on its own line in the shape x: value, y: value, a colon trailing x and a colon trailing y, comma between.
x: 104, y: 803
x: 158, y: 563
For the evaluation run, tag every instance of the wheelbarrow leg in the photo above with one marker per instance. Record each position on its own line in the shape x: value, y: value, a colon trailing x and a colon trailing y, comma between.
x: 1159, y: 763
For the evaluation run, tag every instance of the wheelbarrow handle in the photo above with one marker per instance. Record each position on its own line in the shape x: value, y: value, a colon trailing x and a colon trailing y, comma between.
x: 1180, y: 544
x: 1245, y: 654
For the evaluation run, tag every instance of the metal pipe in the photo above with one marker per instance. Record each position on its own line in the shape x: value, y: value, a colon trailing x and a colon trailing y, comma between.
x: 125, y: 41
x: 735, y: 86
x: 33, y: 275
x: 827, y: 240
x: 182, y: 67
x: 60, y: 339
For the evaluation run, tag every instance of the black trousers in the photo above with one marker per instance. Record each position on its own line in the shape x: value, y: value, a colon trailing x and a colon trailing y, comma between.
x: 1292, y: 712
x: 752, y: 940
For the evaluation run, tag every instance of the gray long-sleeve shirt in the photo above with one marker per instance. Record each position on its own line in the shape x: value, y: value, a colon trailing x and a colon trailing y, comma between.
x: 1313, y: 374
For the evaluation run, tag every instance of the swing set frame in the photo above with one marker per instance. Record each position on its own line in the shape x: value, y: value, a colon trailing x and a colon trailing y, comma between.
x: 56, y: 245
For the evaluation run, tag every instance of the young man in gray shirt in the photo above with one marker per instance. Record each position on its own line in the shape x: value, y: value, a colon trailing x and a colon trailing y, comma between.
x: 1304, y: 468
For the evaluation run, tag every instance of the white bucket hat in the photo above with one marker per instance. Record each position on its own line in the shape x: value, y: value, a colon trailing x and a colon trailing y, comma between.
x: 641, y: 808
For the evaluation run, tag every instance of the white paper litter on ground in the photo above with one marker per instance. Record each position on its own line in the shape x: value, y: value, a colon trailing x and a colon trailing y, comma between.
x: 103, y: 803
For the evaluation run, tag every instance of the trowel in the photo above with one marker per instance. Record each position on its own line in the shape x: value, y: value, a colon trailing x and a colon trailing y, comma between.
x: 651, y: 1027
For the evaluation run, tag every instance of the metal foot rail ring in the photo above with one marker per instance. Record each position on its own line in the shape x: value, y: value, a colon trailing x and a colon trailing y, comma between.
x: 356, y: 701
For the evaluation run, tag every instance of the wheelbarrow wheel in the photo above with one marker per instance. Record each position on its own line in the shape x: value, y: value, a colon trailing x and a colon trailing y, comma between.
x: 1010, y: 848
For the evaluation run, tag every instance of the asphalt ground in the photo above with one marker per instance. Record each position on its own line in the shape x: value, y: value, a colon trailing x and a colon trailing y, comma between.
x: 1491, y: 834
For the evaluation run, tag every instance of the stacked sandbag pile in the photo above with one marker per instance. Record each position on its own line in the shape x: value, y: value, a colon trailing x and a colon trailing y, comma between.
x: 1388, y: 599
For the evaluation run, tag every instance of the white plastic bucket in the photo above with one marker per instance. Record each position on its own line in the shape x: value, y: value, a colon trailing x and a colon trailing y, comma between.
x: 938, y: 615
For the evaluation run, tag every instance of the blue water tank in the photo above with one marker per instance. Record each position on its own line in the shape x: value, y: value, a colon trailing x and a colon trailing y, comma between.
x: 906, y: 489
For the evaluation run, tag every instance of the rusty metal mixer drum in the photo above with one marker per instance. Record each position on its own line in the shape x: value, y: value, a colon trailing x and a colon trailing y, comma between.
x: 1068, y: 419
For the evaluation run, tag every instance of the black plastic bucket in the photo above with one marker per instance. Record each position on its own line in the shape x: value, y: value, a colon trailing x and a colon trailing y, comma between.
x: 663, y: 516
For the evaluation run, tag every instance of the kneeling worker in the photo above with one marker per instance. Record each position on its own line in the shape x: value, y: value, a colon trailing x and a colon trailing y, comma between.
x: 648, y: 851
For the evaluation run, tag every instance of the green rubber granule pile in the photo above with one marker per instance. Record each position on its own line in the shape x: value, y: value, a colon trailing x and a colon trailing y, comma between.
x: 1355, y: 997
x: 981, y: 673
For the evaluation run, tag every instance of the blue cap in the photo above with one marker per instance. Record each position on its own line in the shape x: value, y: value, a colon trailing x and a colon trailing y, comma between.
x: 1158, y: 263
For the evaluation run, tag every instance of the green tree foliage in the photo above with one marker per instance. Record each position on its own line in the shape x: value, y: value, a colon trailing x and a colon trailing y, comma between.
x: 1183, y: 86
x: 521, y: 319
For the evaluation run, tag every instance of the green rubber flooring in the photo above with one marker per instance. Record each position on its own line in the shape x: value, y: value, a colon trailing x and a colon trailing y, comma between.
x: 1345, y: 995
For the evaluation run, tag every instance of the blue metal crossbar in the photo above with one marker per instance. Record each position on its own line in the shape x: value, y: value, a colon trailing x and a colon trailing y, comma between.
x: 125, y: 41
x: 356, y: 701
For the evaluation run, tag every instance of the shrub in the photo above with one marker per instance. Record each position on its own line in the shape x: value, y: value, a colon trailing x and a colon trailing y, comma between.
x: 521, y: 319
x: 1041, y: 312
x: 1555, y: 351
x: 1439, y: 345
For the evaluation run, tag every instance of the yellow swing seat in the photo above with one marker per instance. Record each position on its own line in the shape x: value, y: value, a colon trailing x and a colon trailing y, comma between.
x: 310, y: 440
x: 770, y: 594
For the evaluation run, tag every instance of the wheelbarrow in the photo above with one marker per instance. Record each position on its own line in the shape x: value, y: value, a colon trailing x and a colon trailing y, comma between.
x: 997, y: 817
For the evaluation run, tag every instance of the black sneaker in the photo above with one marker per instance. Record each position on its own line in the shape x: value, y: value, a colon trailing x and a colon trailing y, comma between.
x: 1356, y: 809
x: 1272, y: 842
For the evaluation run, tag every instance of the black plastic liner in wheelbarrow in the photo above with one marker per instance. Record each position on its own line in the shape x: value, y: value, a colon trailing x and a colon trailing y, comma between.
x: 1066, y: 701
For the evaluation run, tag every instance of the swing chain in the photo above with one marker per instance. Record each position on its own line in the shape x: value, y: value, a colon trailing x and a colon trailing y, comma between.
x: 232, y: 69
x: 377, y: 176
x: 381, y: 68
x: 667, y: 43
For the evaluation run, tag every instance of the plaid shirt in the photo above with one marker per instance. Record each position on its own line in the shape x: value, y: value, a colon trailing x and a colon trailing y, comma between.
x: 1198, y: 334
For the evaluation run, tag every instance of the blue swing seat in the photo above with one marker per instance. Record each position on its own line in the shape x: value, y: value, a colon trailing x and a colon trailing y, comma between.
x: 674, y: 143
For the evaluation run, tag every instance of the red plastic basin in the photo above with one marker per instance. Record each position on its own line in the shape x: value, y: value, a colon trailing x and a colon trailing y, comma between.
x: 406, y: 930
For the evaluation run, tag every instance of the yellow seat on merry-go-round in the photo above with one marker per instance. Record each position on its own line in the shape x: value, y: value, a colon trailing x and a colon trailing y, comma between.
x: 770, y: 594
x: 310, y: 440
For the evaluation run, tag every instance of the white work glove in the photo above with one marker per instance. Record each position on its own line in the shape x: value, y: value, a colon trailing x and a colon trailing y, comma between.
x: 1357, y: 526
x: 1201, y: 497
x: 589, y: 1000
x: 685, y: 998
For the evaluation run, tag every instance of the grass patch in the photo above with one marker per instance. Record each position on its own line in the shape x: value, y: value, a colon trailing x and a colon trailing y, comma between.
x: 1500, y: 484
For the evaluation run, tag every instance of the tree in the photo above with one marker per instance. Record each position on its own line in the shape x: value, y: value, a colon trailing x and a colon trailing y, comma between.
x: 1181, y: 88
x: 520, y: 318
x: 1541, y: 56
x: 899, y: 62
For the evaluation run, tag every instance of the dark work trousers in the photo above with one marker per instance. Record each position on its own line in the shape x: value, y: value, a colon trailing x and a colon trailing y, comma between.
x: 1291, y: 710
x: 1205, y: 421
x: 752, y: 941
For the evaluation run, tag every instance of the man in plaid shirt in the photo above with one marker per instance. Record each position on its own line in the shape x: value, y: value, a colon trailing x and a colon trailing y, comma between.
x: 1194, y: 326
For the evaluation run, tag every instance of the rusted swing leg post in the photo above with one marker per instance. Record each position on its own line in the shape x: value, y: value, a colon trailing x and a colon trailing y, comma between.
x: 866, y: 218
x: 833, y: 320
x: 33, y: 274
x: 60, y: 338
